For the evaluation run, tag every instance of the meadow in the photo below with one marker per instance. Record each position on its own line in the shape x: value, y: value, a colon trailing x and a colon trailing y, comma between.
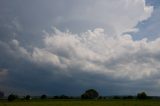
x: 82, y: 103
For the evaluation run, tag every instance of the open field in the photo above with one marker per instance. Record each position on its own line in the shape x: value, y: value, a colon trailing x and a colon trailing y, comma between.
x: 83, y: 103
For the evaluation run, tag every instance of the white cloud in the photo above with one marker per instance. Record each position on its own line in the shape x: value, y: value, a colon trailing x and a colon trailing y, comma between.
x: 14, y: 49
x: 120, y: 15
x: 96, y: 51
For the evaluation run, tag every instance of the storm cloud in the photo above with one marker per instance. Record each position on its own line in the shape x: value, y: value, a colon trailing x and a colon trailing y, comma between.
x: 64, y: 47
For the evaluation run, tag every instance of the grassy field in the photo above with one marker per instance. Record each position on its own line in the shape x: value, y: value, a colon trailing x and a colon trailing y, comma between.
x: 83, y: 103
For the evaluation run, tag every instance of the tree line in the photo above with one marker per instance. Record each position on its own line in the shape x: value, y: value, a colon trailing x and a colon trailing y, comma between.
x: 88, y: 94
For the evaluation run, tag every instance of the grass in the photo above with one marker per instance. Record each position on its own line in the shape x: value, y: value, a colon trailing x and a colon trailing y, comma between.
x: 83, y: 103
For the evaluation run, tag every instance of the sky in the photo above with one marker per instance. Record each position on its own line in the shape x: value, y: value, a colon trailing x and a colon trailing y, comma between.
x: 57, y: 47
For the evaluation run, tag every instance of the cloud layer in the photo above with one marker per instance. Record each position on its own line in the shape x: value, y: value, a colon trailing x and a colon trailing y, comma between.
x: 95, y: 52
x: 103, y: 57
x: 118, y: 16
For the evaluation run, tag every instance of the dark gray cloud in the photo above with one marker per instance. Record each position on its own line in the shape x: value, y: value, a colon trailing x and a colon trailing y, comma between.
x: 36, y: 60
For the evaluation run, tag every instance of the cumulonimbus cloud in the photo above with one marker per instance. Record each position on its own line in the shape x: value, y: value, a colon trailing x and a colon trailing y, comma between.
x: 105, y: 51
x: 96, y: 51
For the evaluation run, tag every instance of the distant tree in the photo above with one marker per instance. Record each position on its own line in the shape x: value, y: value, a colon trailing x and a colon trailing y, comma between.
x: 128, y: 97
x: 12, y: 97
x: 90, y: 94
x: 56, y: 97
x: 142, y: 95
x: 1, y: 94
x: 116, y: 97
x: 43, y: 96
x: 64, y: 97
x: 27, y: 97
x: 101, y: 97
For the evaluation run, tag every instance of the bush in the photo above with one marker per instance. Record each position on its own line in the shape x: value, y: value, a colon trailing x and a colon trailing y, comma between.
x: 64, y: 97
x: 116, y: 97
x: 28, y: 97
x: 44, y: 97
x: 56, y: 97
x: 12, y: 97
x: 101, y: 97
x: 128, y: 97
x: 1, y: 94
x: 90, y: 94
x: 142, y: 95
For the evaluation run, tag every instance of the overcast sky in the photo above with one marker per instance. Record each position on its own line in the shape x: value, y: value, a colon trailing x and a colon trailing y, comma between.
x: 59, y: 47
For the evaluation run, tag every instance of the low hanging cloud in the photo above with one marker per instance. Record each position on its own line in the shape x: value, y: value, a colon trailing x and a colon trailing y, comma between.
x: 69, y: 55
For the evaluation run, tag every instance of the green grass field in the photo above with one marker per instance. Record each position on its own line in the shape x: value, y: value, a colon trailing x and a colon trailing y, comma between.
x: 83, y: 103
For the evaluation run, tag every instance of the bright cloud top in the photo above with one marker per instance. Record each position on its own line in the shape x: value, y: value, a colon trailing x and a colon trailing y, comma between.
x: 115, y: 54
x: 101, y: 54
x: 119, y: 16
x: 96, y: 52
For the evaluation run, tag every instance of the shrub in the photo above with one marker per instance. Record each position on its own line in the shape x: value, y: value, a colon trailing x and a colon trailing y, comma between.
x: 28, y: 97
x: 12, y: 97
x: 44, y: 97
x: 90, y: 94
x: 142, y: 95
x: 1, y: 94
